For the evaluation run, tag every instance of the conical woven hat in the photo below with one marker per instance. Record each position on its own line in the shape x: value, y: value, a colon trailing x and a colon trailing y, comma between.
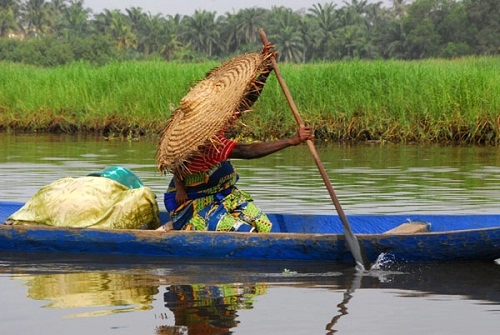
x: 207, y: 109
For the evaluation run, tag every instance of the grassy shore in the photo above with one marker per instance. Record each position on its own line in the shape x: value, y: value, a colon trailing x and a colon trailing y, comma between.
x: 419, y: 101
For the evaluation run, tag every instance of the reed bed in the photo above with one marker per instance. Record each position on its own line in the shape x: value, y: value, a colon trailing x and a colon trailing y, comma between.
x: 418, y: 101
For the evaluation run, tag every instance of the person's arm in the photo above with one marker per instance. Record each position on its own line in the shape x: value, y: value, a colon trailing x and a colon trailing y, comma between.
x: 180, y: 192
x: 258, y: 150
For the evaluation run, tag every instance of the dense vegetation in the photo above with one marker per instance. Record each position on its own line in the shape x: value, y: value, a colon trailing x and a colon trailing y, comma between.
x: 398, y: 101
x: 58, y: 32
x: 421, y: 70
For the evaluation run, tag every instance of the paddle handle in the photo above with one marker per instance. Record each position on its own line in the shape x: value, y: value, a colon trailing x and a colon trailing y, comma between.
x: 351, y: 239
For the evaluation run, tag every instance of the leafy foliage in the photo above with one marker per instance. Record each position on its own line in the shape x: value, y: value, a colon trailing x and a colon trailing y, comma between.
x: 57, y: 32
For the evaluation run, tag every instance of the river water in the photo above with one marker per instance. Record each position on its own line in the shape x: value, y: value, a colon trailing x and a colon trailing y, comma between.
x: 80, y: 294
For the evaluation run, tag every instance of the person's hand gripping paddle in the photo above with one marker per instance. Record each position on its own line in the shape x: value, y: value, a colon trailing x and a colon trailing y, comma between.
x: 352, y: 242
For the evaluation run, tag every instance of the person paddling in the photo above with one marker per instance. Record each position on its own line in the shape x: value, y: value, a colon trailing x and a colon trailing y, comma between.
x: 202, y: 195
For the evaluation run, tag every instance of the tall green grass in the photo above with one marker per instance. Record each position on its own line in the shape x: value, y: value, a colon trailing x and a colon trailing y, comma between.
x: 432, y: 100
x: 396, y: 100
x: 128, y: 89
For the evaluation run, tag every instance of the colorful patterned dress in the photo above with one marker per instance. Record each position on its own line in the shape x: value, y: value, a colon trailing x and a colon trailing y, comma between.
x: 214, y: 202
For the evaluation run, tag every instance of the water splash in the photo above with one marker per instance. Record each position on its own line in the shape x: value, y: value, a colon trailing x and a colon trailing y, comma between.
x: 384, y: 260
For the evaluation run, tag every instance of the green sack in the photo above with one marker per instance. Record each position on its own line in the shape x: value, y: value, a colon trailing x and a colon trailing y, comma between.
x: 120, y: 174
x: 90, y: 202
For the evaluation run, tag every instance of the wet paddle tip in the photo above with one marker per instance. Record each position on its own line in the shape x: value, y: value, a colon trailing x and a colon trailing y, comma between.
x: 362, y: 268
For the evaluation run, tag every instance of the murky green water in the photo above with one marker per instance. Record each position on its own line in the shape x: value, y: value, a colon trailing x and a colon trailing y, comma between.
x: 68, y: 294
x: 79, y: 294
x: 367, y: 178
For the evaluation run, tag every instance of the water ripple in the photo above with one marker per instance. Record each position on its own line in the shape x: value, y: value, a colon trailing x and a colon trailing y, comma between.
x: 366, y: 179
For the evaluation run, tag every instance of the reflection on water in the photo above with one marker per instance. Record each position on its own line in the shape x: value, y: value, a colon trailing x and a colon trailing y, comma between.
x: 123, y: 292
x: 61, y: 293
x: 208, y: 309
x: 224, y: 297
x: 367, y: 178
x: 342, y: 306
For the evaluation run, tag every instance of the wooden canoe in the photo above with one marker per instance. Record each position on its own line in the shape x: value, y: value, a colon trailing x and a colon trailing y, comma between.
x: 308, y: 237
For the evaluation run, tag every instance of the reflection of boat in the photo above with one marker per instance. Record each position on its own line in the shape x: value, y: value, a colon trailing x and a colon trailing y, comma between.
x: 295, y: 237
x: 85, y: 289
x: 207, y: 295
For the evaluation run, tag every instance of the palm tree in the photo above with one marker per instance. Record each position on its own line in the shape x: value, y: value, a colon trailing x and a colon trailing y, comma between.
x: 171, y: 47
x: 56, y: 10
x: 152, y: 33
x: 286, y: 35
x: 355, y: 43
x: 359, y: 6
x: 324, y: 17
x: 290, y: 44
x: 36, y: 16
x: 394, y: 41
x: 8, y: 23
x: 76, y: 19
x: 136, y: 17
x: 230, y: 39
x: 12, y: 4
x: 201, y: 31
x: 116, y: 24
x: 376, y: 15
x: 349, y: 16
x: 121, y: 31
x: 423, y: 40
x: 249, y: 22
x: 10, y: 19
x: 306, y: 31
x: 399, y: 8
x: 102, y: 22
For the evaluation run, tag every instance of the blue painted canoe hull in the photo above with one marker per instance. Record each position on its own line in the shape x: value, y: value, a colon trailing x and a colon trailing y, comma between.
x: 294, y: 237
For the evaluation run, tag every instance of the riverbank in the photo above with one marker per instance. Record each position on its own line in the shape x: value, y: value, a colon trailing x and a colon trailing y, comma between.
x: 429, y: 101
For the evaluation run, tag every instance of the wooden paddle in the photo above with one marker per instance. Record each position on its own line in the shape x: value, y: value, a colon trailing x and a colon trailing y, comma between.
x: 352, y: 242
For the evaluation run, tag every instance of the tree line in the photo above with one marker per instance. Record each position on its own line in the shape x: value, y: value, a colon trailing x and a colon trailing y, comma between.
x: 56, y: 32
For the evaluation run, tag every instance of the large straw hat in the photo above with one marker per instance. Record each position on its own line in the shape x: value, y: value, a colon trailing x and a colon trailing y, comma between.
x: 208, y: 108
